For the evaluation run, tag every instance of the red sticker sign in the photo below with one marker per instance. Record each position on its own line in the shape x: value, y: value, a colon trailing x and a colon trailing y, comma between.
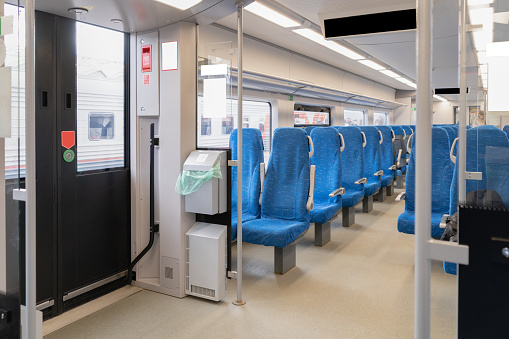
x: 68, y: 139
x: 146, y: 79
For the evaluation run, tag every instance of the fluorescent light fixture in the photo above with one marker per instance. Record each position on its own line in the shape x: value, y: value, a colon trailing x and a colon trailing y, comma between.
x: 271, y: 15
x: 439, y: 97
x: 406, y: 82
x: 180, y: 4
x: 220, y: 69
x: 390, y: 73
x: 497, y: 49
x: 372, y: 64
x: 318, y: 38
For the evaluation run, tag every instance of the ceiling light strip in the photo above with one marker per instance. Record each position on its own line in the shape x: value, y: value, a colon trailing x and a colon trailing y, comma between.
x: 319, y: 39
x: 271, y: 15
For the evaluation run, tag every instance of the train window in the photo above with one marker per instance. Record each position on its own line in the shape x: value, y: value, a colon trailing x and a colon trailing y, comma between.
x: 355, y: 117
x: 100, y: 83
x: 311, y: 115
x: 215, y: 132
x: 101, y: 126
x: 381, y: 118
x: 15, y: 58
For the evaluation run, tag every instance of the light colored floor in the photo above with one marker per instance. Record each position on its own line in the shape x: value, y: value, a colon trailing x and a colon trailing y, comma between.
x: 360, y: 285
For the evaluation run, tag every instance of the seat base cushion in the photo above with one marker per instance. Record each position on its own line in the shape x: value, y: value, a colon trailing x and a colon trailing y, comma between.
x: 450, y: 267
x: 323, y: 212
x: 387, y: 179
x: 351, y: 197
x: 370, y: 188
x: 273, y: 232
x: 406, y: 223
x: 245, y: 217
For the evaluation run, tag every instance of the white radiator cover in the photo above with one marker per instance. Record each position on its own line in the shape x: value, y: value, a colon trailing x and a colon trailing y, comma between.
x: 206, y: 251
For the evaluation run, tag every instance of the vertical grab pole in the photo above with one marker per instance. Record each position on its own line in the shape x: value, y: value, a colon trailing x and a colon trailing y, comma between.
x: 30, y: 234
x: 240, y: 43
x: 462, y: 147
x: 423, y: 171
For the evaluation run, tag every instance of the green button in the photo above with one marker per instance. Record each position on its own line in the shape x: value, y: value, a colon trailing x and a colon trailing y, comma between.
x: 68, y: 155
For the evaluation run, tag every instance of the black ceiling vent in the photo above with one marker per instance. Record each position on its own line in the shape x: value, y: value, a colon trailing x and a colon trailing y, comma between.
x: 394, y: 21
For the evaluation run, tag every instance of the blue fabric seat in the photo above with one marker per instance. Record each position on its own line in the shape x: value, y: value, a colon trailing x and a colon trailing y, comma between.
x: 284, y: 216
x: 441, y: 175
x: 372, y: 160
x: 387, y: 156
x: 506, y: 130
x: 487, y: 151
x: 252, y: 157
x: 308, y: 129
x: 353, y: 166
x: 328, y: 178
x: 478, y: 140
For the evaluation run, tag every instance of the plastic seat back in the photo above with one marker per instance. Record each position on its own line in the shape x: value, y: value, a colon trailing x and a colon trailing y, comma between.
x: 308, y: 129
x: 399, y: 144
x: 252, y: 156
x: 286, y: 186
x: 478, y: 140
x: 387, y: 155
x: 372, y: 159
x: 327, y: 159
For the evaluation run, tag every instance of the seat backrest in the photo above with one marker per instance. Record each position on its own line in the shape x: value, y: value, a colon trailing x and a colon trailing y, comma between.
x: 252, y: 156
x: 327, y: 158
x: 506, y: 130
x: 353, y: 155
x: 372, y: 153
x: 441, y: 173
x: 399, y: 143
x: 497, y: 169
x: 408, y: 131
x: 478, y: 139
x: 387, y: 148
x: 308, y: 129
x: 286, y: 186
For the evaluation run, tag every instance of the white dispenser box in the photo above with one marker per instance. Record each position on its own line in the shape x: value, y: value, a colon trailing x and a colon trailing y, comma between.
x: 206, y: 250
x: 211, y: 197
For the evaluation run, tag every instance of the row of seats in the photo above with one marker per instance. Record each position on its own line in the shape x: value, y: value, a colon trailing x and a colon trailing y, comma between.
x: 280, y: 203
x: 487, y: 154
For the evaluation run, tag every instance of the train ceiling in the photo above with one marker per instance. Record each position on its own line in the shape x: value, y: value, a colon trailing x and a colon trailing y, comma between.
x: 396, y: 50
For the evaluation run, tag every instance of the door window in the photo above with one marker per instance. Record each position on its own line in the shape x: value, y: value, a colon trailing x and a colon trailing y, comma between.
x: 100, y: 104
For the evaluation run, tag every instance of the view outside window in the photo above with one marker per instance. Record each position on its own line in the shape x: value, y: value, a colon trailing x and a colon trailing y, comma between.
x: 354, y: 118
x: 100, y: 108
x: 215, y: 132
x: 381, y: 118
x: 15, y: 47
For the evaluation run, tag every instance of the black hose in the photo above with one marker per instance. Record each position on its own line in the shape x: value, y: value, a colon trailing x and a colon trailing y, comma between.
x: 153, y: 227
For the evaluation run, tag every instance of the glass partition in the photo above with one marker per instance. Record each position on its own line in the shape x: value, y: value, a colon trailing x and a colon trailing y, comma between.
x: 11, y: 236
x: 381, y: 118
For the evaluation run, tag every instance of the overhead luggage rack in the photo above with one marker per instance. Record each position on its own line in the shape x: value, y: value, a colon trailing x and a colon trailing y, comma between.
x: 271, y: 83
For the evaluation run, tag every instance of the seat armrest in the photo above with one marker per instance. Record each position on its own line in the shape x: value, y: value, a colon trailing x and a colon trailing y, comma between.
x: 398, y: 162
x: 262, y: 180
x: 401, y: 196
x: 393, y: 168
x: 311, y: 196
x: 407, y: 161
x: 361, y: 181
x: 443, y: 222
x: 339, y: 191
x: 379, y: 173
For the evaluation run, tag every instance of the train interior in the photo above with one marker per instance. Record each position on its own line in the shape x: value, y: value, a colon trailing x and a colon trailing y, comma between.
x: 253, y: 168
